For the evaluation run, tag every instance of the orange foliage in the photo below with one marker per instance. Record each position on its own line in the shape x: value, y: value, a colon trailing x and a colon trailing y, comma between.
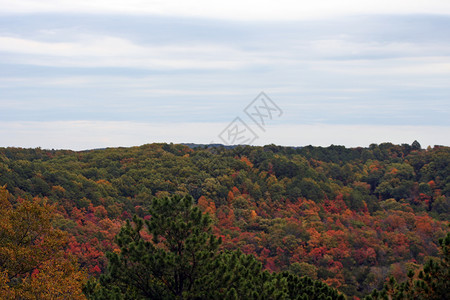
x: 246, y: 161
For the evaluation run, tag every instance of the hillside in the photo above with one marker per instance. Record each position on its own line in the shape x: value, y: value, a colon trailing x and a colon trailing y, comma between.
x: 348, y: 217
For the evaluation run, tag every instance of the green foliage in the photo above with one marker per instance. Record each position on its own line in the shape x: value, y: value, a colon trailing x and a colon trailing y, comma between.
x: 303, y: 269
x: 415, y: 145
x: 178, y: 251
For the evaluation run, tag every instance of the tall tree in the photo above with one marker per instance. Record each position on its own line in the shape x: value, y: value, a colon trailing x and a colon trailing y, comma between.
x: 165, y: 261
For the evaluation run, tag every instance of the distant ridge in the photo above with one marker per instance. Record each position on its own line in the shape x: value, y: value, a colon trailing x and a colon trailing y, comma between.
x: 194, y: 146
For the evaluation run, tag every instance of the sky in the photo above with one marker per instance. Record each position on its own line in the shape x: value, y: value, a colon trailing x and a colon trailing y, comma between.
x: 78, y: 74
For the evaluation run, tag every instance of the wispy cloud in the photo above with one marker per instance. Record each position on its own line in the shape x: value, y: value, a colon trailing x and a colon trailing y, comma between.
x: 107, y: 51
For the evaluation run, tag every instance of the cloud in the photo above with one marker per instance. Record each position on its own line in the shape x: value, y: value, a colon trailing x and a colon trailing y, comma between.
x: 108, y: 51
x: 340, y: 54
x: 233, y: 9
x: 355, y: 71
x: 347, y: 49
x: 390, y: 67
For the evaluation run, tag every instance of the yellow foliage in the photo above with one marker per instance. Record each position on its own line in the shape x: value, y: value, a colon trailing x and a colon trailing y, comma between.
x: 57, y: 279
x: 5, y: 291
x: 33, y: 264
x: 58, y: 188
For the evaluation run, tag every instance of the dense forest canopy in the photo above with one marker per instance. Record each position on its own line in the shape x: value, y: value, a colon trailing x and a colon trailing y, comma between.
x: 349, y: 217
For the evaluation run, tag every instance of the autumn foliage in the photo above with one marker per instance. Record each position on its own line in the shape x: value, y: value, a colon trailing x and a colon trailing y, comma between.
x: 349, y: 217
x: 33, y: 261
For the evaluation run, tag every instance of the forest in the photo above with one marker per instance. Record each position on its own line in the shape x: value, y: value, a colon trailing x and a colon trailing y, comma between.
x: 300, y: 222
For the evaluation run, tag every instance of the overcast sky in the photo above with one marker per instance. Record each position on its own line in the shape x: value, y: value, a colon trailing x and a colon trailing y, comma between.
x: 88, y: 74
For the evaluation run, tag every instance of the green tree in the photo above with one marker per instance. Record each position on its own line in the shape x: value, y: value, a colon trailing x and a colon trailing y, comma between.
x: 167, y: 260
x: 416, y: 145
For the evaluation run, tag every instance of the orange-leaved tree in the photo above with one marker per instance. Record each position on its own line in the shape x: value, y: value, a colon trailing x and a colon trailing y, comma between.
x: 33, y: 261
